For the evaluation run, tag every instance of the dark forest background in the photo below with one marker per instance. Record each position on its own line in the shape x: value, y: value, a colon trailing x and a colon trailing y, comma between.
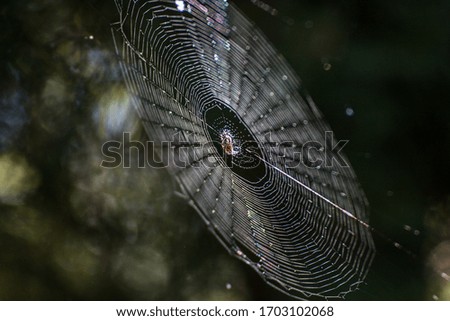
x: 378, y: 70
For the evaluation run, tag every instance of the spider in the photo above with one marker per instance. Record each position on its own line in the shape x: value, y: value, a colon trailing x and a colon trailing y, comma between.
x: 228, y: 144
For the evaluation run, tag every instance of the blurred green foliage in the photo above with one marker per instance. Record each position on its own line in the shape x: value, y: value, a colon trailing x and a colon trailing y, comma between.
x: 70, y: 229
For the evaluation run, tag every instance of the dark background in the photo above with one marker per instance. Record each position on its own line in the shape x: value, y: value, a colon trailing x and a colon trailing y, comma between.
x: 72, y: 230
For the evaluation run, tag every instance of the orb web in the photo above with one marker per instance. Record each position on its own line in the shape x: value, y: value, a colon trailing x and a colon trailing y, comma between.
x: 199, y: 73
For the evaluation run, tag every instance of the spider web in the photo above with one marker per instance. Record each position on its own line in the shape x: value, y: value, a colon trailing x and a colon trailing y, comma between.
x: 198, y: 69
